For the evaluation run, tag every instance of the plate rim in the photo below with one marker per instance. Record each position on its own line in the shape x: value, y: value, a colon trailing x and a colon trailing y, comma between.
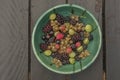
x: 33, y: 35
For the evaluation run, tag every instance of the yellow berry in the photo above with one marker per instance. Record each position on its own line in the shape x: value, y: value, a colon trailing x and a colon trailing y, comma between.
x: 72, y: 54
x: 52, y: 16
x: 47, y: 52
x: 71, y: 60
x: 88, y: 28
x: 79, y: 49
x: 86, y: 41
x: 71, y: 32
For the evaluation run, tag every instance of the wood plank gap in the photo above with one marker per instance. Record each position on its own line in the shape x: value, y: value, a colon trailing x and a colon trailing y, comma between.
x: 66, y: 1
x: 104, y: 40
x: 29, y: 40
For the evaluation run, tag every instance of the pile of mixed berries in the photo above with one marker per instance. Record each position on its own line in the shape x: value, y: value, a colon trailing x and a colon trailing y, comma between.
x: 66, y: 39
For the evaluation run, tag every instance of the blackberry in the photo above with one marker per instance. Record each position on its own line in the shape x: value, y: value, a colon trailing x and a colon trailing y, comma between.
x: 47, y: 36
x: 73, y: 46
x: 81, y: 38
x: 43, y: 37
x: 73, y: 22
x: 58, y: 41
x: 51, y: 33
x: 67, y: 19
x: 64, y: 62
x: 76, y: 38
x: 58, y: 56
x: 54, y: 54
x: 81, y: 33
x: 47, y: 28
x: 60, y: 19
x: 90, y: 37
x: 67, y: 62
x: 43, y: 46
x: 51, y: 40
x: 65, y: 56
x: 77, y: 58
x: 84, y: 46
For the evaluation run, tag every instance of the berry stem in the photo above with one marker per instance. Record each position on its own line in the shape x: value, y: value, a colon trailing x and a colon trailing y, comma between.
x: 73, y: 67
x: 41, y: 52
x: 54, y: 10
x: 72, y: 11
x: 51, y: 64
x: 66, y: 1
x: 83, y: 13
x: 93, y: 30
x: 80, y: 62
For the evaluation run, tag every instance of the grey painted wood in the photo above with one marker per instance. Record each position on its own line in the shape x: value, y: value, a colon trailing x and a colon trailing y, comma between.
x: 13, y: 39
x: 94, y: 72
x: 112, y: 20
x: 38, y: 72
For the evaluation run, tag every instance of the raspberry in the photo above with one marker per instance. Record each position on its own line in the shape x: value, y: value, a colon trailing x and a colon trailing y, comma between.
x: 57, y: 46
x: 62, y: 28
x: 69, y: 50
x: 78, y: 44
x: 43, y: 46
x: 59, y: 36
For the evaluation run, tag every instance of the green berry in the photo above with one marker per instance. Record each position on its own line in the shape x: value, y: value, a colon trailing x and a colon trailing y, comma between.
x: 88, y: 28
x: 79, y: 49
x: 86, y: 41
x: 71, y: 60
x: 47, y: 52
x: 72, y: 54
x: 71, y: 32
x: 52, y: 16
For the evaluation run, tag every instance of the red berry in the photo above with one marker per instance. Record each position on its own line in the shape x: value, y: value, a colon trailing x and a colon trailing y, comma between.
x: 57, y: 46
x: 59, y: 36
x: 78, y: 44
x: 62, y: 28
x: 69, y: 50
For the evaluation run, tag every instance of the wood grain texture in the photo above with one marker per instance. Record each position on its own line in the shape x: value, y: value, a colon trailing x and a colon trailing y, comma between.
x: 38, y: 72
x: 13, y: 39
x: 112, y: 20
x: 94, y: 72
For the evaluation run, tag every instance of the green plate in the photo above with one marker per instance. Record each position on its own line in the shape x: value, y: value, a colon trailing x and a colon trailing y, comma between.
x: 94, y: 46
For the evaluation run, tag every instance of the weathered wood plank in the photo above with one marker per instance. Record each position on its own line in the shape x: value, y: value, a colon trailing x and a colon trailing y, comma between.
x: 37, y: 70
x: 112, y: 22
x: 94, y: 72
x: 13, y: 39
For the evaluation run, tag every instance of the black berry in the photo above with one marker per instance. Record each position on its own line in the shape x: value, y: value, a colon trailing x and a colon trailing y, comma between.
x: 58, y: 41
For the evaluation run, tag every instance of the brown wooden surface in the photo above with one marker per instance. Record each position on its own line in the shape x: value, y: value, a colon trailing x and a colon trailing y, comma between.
x: 38, y: 7
x: 94, y: 72
x: 112, y: 22
x: 13, y: 39
x: 17, y: 20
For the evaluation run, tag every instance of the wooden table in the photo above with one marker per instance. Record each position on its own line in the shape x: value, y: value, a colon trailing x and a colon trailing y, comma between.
x: 17, y: 19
